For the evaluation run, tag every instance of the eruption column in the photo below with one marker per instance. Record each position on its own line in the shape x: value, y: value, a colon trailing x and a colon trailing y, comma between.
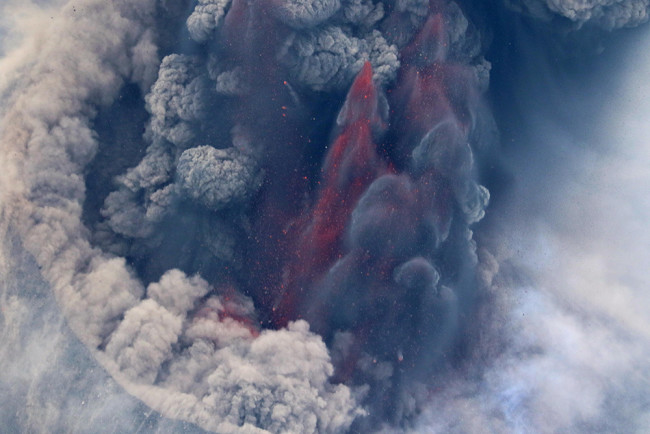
x: 350, y: 166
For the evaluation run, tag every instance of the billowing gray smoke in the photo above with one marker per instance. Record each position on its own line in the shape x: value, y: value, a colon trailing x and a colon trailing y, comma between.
x: 268, y: 216
x: 131, y: 330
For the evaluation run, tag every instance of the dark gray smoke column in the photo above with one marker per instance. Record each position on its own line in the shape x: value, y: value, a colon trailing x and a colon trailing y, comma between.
x: 257, y: 215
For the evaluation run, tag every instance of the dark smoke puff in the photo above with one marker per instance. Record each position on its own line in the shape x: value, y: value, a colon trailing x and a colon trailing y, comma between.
x: 152, y: 171
x: 178, y: 99
x: 221, y: 239
x: 392, y: 221
x: 417, y: 274
x: 145, y: 59
x: 419, y: 8
x: 160, y: 202
x: 207, y: 16
x: 473, y: 202
x: 177, y: 102
x: 125, y: 213
x: 231, y: 83
x: 329, y: 58
x: 482, y: 69
x: 464, y: 41
x: 301, y: 14
x: 324, y: 60
x: 383, y: 57
x: 217, y: 178
x: 404, y: 20
x: 363, y: 13
x: 607, y: 14
x: 445, y: 150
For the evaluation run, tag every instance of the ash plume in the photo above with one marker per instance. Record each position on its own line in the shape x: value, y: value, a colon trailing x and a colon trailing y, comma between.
x: 274, y: 216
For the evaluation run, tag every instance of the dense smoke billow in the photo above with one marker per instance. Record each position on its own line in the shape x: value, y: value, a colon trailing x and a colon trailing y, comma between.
x: 324, y: 216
